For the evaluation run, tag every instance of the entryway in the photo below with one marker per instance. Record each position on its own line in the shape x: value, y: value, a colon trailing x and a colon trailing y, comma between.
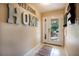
x: 52, y: 30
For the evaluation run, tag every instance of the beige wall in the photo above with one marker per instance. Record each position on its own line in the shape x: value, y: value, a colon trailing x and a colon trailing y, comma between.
x: 77, y: 11
x: 57, y: 13
x: 72, y: 37
x: 3, y: 12
x: 16, y: 39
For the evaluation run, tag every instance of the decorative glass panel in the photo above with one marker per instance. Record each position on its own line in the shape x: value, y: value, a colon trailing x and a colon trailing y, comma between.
x: 54, y: 28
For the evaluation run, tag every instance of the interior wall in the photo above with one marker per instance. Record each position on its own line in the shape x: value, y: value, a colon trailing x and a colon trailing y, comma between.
x: 3, y: 12
x: 16, y: 39
x: 72, y: 40
x: 72, y: 36
x: 57, y: 13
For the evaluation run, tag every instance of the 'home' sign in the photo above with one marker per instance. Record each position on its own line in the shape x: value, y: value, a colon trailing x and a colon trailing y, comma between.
x: 18, y: 15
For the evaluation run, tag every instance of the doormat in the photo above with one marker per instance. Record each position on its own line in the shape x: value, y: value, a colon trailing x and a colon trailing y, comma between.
x: 44, y: 51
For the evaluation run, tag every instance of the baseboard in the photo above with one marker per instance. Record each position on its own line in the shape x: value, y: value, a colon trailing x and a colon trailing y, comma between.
x: 33, y: 51
x: 66, y: 51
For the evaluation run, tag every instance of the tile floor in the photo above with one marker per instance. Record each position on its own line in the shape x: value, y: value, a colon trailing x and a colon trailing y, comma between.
x: 48, y: 50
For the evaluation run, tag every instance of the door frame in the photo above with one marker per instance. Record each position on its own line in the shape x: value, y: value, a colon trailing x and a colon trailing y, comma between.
x: 60, y: 27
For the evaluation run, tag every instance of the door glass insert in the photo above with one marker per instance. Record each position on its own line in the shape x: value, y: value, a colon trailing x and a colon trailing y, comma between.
x: 54, y: 29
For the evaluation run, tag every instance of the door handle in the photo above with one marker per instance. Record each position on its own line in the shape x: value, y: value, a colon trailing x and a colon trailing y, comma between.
x: 49, y: 30
x: 45, y: 36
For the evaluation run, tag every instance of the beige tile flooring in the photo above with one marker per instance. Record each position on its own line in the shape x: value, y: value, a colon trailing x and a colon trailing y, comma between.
x: 51, y: 50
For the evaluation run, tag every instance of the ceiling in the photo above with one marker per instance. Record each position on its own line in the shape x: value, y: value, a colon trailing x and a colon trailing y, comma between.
x: 48, y: 7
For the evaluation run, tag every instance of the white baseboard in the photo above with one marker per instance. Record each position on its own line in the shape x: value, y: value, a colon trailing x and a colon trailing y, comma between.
x: 66, y: 51
x: 33, y: 51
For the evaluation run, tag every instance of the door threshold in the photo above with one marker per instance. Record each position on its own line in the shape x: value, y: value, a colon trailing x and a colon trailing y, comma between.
x: 53, y: 44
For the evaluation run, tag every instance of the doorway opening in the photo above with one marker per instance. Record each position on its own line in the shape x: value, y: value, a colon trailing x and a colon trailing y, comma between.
x: 52, y: 31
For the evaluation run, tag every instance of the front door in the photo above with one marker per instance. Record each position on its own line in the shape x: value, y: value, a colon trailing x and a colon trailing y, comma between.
x: 52, y: 31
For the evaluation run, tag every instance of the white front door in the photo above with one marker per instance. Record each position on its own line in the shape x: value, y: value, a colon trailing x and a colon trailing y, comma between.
x: 52, y: 30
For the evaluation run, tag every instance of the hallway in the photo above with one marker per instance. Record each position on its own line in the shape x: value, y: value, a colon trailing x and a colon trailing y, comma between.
x: 36, y: 29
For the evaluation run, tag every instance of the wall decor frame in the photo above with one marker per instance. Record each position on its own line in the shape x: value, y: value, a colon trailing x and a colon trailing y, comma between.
x: 65, y: 20
x: 33, y: 21
x: 30, y: 20
x: 72, y: 9
x: 36, y: 22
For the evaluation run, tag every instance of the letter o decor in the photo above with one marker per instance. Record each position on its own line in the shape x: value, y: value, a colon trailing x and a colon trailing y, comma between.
x: 25, y: 18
